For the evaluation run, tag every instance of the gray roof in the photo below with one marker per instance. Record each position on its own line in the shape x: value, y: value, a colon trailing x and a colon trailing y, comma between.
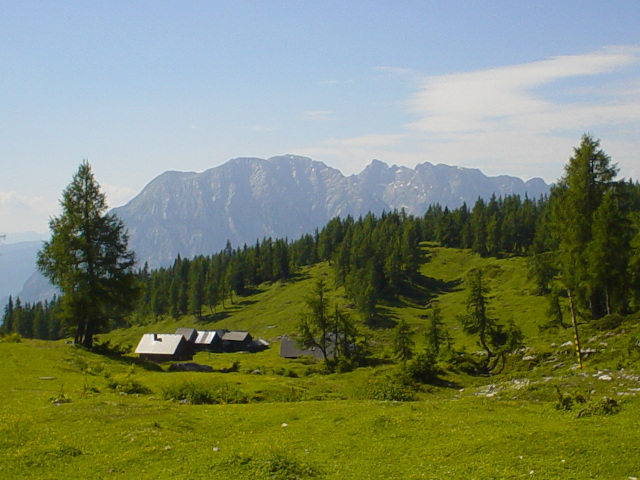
x: 159, y: 343
x: 236, y: 336
x: 290, y: 349
x: 189, y: 334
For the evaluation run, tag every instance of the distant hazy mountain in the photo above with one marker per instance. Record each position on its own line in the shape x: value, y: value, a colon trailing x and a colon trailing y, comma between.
x: 247, y: 199
x: 17, y: 264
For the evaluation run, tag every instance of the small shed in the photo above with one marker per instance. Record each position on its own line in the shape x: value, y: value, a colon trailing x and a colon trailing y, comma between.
x: 290, y: 349
x: 236, y: 341
x: 163, y: 347
x: 189, y: 334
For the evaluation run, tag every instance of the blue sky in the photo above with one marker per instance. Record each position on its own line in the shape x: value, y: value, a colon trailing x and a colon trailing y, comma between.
x: 138, y: 88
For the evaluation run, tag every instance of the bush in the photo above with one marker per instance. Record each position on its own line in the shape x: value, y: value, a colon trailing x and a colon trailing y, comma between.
x: 606, y: 406
x: 127, y: 384
x: 608, y: 322
x: 285, y: 372
x: 60, y: 398
x: 462, y: 361
x: 422, y: 367
x: 12, y: 337
x: 566, y: 401
x: 199, y: 394
x: 390, y: 390
x: 106, y: 348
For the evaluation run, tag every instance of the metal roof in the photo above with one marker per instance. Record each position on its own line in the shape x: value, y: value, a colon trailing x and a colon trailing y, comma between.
x: 159, y: 343
x: 189, y: 334
x: 236, y: 336
x: 290, y: 349
x: 206, y: 337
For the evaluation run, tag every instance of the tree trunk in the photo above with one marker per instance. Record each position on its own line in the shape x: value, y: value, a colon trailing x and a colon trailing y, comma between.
x: 575, y: 329
x: 79, y: 332
x: 88, y: 334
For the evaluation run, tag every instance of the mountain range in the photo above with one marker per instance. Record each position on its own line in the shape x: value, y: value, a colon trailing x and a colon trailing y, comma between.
x: 247, y: 199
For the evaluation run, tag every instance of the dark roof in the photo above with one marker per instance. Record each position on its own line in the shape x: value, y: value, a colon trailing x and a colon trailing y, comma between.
x: 236, y: 336
x: 290, y: 349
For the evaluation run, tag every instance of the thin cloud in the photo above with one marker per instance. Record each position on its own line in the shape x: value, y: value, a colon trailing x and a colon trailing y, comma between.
x: 117, y: 195
x: 318, y: 115
x: 396, y: 71
x: 520, y: 120
x: 30, y: 213
x: 373, y: 140
x: 508, y: 97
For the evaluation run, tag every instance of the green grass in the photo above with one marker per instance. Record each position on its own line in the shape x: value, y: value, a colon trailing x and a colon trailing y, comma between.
x: 61, y: 419
x: 448, y: 434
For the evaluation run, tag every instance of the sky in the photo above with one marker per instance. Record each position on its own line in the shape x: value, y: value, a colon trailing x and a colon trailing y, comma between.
x: 141, y: 87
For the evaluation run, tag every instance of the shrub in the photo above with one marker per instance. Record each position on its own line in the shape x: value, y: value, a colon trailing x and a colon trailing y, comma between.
x: 60, y: 398
x: 12, y: 337
x: 276, y: 465
x: 462, y: 361
x: 200, y: 394
x: 608, y: 322
x: 391, y: 390
x: 127, y: 384
x: 605, y: 406
x: 285, y: 372
x: 566, y: 401
x: 422, y: 367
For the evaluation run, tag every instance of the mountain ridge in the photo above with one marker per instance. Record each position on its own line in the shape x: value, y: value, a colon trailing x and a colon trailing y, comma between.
x: 249, y: 198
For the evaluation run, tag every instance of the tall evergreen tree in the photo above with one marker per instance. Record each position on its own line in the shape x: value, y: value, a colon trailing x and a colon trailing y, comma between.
x: 573, y: 203
x: 87, y: 258
x: 7, y: 317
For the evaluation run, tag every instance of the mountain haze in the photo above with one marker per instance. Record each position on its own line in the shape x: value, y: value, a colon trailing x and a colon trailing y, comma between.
x: 247, y: 199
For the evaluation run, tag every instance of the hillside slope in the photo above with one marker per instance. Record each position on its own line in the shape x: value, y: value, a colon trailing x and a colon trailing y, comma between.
x: 69, y: 413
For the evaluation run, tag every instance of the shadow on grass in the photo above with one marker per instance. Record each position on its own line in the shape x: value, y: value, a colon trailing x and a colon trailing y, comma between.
x: 384, y: 319
x: 105, y: 351
x: 213, y: 317
x: 424, y: 289
x: 439, y: 382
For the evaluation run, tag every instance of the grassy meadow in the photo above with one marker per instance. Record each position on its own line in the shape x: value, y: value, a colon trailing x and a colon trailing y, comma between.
x: 70, y: 413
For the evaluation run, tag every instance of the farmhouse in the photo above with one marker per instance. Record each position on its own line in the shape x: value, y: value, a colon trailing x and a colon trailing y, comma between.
x: 182, y: 345
x: 163, y: 347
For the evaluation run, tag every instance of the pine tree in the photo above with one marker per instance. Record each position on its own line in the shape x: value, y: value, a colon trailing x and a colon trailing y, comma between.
x: 477, y: 321
x: 402, y: 342
x: 7, y: 318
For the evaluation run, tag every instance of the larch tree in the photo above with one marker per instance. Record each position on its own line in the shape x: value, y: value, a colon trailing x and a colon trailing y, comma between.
x: 477, y: 321
x: 87, y: 258
x: 574, y: 201
x: 315, y: 324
